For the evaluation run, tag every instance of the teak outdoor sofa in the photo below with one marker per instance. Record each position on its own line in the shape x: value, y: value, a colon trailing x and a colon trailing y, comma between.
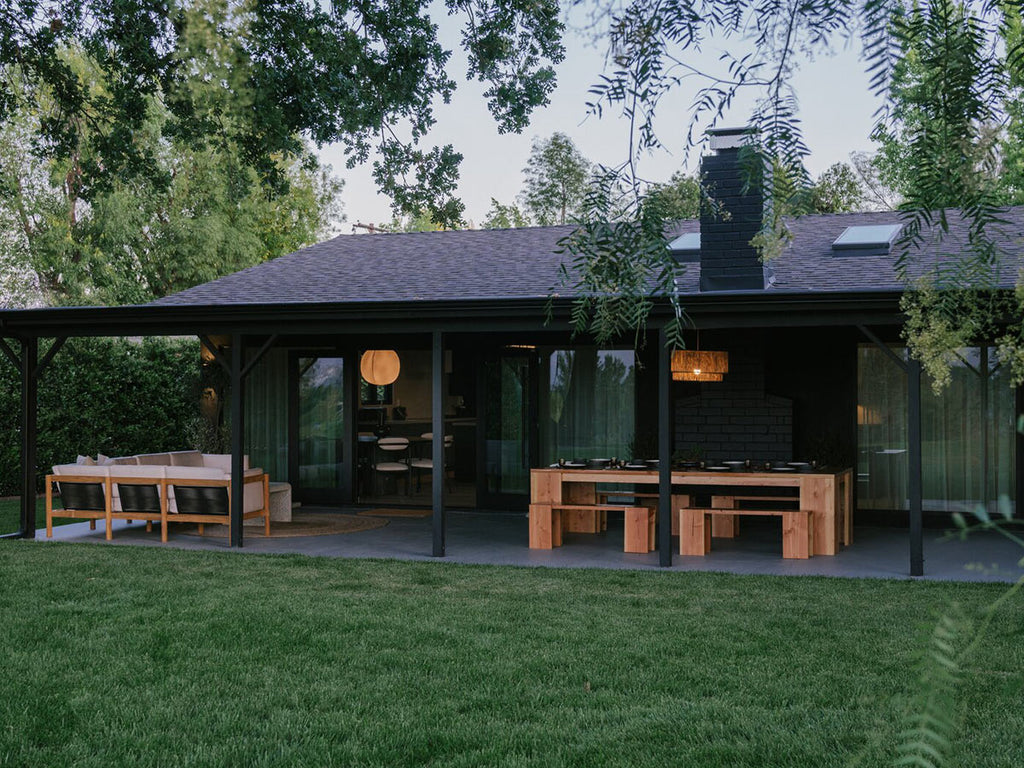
x: 177, y: 487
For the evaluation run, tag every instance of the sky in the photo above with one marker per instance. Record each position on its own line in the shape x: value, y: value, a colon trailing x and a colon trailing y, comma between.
x: 836, y: 108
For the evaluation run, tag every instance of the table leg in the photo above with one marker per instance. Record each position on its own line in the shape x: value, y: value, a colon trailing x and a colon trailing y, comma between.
x: 724, y: 526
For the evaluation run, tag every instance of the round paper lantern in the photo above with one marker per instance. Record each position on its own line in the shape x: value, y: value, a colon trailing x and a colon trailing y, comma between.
x: 379, y: 366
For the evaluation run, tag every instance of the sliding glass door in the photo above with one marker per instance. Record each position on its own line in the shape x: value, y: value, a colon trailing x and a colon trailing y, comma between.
x: 967, y: 430
x: 321, y: 470
x: 507, y: 443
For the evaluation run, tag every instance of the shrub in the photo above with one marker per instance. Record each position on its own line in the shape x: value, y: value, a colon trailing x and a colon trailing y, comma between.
x: 113, y: 396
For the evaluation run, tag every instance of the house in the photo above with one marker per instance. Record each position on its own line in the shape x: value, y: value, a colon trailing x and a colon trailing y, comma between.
x: 815, y: 367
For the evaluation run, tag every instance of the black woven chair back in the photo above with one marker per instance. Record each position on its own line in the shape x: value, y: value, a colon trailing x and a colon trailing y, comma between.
x: 201, y: 500
x: 84, y: 496
x: 139, y: 498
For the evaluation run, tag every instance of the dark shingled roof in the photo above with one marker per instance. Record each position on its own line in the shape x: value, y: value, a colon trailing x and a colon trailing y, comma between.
x: 523, y: 264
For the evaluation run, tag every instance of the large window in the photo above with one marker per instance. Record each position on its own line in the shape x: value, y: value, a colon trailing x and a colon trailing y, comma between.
x: 587, y: 403
x: 967, y: 433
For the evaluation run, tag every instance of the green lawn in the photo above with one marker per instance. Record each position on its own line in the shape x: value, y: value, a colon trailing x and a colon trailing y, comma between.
x: 156, y: 657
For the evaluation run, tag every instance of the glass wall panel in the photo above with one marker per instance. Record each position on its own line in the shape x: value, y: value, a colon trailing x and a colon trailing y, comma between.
x: 967, y: 433
x: 587, y: 403
x: 266, y: 414
x: 321, y: 423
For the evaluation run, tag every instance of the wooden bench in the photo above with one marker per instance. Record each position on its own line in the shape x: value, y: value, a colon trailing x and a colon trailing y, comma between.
x: 728, y: 526
x: 650, y: 500
x: 797, y: 529
x: 546, y: 524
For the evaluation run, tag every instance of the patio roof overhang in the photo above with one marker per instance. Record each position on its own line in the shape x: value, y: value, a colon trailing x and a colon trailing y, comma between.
x: 763, y: 309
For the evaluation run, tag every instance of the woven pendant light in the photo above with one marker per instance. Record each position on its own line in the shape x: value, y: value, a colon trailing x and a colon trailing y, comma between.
x: 699, y: 364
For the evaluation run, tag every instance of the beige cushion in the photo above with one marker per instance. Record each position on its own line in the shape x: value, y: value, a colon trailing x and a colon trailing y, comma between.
x: 195, y: 473
x: 186, y: 459
x: 125, y: 460
x: 87, y: 470
x: 104, y: 461
x: 222, y: 461
x: 154, y: 459
x: 135, y: 470
x: 85, y: 461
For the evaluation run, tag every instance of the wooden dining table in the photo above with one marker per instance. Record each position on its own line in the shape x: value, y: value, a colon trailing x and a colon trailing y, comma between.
x: 826, y: 493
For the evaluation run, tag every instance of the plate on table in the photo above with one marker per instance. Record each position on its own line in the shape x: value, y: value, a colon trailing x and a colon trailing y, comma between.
x: 783, y: 469
x: 719, y: 468
x: 798, y: 464
x: 635, y: 466
x: 574, y: 465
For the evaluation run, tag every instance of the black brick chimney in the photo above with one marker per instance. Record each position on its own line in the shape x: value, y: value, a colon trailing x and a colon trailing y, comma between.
x: 728, y: 262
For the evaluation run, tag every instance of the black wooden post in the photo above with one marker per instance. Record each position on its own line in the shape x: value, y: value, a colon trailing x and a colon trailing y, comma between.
x: 440, y: 523
x: 914, y: 467
x: 237, y: 440
x: 1019, y: 458
x: 29, y: 425
x: 665, y: 425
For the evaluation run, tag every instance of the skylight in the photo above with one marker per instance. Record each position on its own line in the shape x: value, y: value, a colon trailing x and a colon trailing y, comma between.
x: 686, y: 244
x: 877, y: 236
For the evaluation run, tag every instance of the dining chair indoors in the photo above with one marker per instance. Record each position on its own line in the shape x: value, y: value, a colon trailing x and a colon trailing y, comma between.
x: 392, y: 460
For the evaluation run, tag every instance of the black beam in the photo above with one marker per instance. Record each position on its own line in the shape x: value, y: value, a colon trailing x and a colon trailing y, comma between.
x: 50, y: 353
x: 9, y: 354
x: 237, y: 440
x: 217, y: 352
x: 437, y: 444
x: 29, y: 425
x: 884, y: 347
x: 1019, y: 458
x: 914, y: 467
x: 665, y: 425
x: 743, y: 309
x: 259, y: 355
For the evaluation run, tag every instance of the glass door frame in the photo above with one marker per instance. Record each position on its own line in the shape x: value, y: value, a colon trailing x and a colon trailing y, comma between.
x: 486, y: 499
x: 345, y: 493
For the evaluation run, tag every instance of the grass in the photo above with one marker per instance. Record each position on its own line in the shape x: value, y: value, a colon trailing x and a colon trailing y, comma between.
x: 154, y: 657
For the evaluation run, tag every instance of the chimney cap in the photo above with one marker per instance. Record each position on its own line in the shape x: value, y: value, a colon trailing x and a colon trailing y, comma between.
x: 730, y: 138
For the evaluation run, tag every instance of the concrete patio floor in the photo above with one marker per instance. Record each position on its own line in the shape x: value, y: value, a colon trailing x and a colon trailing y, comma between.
x: 499, y: 538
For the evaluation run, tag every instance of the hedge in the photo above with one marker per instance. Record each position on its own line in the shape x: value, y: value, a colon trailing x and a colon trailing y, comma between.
x: 112, y: 396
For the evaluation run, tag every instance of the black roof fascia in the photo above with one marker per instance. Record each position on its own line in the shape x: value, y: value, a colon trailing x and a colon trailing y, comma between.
x: 732, y: 309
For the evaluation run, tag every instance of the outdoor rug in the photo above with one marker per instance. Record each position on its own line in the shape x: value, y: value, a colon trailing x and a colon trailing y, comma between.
x: 302, y: 524
x: 395, y: 513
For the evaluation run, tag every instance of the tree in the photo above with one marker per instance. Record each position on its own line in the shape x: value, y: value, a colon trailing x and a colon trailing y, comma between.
x: 364, y: 74
x: 938, y: 148
x: 837, y: 190
x: 502, y: 216
x: 202, y: 212
x: 678, y: 199
x: 412, y: 222
x: 556, y: 178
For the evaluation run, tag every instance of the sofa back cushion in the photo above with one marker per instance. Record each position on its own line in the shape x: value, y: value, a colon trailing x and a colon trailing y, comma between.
x: 222, y: 461
x: 186, y: 459
x: 160, y: 459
